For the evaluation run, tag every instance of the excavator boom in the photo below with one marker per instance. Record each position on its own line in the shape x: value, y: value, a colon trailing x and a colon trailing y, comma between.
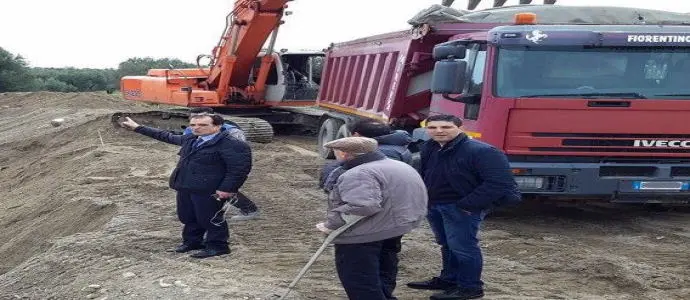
x: 251, y: 24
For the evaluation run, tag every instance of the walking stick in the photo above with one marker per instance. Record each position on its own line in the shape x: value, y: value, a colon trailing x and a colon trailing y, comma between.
x: 349, y: 221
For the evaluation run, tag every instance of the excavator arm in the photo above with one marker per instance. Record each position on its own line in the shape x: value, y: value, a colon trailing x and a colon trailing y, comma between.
x: 250, y: 25
x: 472, y: 4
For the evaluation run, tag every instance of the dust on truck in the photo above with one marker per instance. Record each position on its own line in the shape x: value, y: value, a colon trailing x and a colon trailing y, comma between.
x: 587, y: 102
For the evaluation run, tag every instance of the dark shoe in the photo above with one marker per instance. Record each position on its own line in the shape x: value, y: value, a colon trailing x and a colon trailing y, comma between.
x: 186, y: 248
x: 432, y: 284
x: 210, y: 252
x: 458, y: 294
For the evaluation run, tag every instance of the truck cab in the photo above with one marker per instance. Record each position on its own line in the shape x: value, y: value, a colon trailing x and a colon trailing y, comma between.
x: 582, y: 111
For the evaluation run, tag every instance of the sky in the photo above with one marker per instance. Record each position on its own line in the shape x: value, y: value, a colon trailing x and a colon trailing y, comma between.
x: 103, y: 33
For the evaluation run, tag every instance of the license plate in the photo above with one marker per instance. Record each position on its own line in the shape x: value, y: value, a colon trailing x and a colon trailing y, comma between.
x: 661, y: 185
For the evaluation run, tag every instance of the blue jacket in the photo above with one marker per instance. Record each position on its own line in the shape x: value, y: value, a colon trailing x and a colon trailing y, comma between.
x: 477, y: 173
x: 221, y: 163
x: 393, y: 145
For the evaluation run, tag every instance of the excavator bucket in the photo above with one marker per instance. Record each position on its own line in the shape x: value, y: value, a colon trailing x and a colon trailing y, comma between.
x: 472, y: 4
x: 525, y: 1
x: 447, y: 2
x: 549, y: 1
x: 499, y: 3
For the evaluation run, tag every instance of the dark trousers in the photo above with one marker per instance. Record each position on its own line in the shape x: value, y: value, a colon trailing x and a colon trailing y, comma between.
x: 369, y: 270
x: 456, y: 231
x: 201, y: 215
x: 244, y: 204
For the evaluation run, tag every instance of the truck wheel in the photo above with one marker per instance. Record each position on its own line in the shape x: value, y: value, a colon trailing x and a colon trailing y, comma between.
x: 328, y: 132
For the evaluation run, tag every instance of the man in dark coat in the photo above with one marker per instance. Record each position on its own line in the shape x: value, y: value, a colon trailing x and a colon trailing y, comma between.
x: 210, y: 171
x: 247, y: 207
x: 465, y: 179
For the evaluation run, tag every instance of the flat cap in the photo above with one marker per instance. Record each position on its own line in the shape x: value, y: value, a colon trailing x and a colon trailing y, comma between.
x: 354, y: 144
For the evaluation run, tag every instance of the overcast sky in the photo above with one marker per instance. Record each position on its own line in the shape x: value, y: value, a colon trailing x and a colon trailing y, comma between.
x: 103, y: 33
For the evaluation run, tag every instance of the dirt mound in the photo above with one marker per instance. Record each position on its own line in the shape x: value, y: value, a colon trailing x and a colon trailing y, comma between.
x: 81, y: 218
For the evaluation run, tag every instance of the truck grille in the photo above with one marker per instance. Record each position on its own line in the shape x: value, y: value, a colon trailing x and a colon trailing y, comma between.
x: 625, y: 143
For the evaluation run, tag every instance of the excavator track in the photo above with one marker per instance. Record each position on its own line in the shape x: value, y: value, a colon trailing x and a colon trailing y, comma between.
x: 255, y: 129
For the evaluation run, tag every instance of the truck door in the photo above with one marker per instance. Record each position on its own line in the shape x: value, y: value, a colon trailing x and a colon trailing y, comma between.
x: 469, y: 110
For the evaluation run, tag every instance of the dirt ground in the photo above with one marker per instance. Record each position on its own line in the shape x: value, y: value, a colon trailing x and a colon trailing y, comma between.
x: 85, y: 213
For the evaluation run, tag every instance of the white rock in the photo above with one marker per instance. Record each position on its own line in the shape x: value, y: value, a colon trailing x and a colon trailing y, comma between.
x: 92, y: 288
x: 163, y: 284
x: 128, y: 275
x: 57, y: 122
x: 180, y: 284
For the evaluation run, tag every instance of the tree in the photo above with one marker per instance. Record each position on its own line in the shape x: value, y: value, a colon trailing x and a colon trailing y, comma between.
x: 141, y: 65
x: 14, y: 73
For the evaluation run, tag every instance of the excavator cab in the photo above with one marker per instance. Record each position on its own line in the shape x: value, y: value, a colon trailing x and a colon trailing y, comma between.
x: 293, y: 76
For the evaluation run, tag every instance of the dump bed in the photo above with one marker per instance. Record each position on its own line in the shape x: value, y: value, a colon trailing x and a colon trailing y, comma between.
x: 385, y: 76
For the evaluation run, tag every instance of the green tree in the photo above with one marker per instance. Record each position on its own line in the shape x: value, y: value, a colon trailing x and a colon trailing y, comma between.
x: 14, y: 73
x: 141, y: 65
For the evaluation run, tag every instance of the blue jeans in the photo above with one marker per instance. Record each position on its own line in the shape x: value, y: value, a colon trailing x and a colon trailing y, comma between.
x: 456, y: 231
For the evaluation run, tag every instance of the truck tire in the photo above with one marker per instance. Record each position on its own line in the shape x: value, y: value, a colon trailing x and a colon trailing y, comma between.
x: 328, y: 132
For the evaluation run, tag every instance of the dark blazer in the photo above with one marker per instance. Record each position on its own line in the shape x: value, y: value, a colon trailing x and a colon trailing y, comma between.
x: 222, y: 163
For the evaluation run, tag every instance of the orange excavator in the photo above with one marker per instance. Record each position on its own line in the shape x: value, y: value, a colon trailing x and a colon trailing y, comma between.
x: 241, y: 78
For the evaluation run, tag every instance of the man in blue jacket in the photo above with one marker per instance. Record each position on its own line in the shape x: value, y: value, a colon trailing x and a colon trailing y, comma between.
x: 465, y: 178
x: 248, y: 209
x: 391, y: 143
x: 210, y: 171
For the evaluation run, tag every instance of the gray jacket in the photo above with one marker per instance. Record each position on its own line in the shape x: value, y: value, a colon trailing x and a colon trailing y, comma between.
x: 390, y: 193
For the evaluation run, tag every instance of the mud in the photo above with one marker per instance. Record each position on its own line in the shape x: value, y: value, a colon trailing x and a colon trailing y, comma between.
x: 85, y: 212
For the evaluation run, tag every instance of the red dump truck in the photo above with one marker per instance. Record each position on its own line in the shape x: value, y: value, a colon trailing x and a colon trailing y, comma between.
x: 587, y: 102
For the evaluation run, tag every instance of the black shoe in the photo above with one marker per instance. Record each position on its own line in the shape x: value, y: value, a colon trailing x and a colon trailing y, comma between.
x: 458, y: 294
x: 432, y: 284
x: 210, y: 252
x: 186, y: 248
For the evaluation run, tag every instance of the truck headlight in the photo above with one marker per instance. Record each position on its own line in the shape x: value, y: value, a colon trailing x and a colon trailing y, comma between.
x: 530, y: 182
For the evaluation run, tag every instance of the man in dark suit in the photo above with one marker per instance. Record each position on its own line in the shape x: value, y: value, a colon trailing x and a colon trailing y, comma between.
x: 210, y: 171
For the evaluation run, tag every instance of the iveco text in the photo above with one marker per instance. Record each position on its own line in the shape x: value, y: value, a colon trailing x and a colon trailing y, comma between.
x: 662, y: 143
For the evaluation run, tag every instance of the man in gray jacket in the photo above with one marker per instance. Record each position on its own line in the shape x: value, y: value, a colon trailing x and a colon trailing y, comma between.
x: 392, y: 143
x: 392, y: 197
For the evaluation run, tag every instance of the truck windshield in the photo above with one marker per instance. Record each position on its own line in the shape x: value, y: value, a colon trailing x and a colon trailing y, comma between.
x: 594, y: 72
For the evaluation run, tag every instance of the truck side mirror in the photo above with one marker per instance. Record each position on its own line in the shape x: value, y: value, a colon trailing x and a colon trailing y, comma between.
x: 448, y: 77
x: 449, y: 51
